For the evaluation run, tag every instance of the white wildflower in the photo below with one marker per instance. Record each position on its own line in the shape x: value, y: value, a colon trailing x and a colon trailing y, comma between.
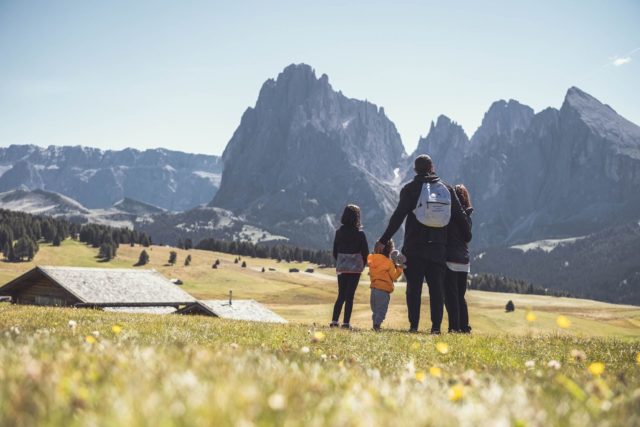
x: 554, y: 364
x: 277, y: 402
x: 530, y: 364
x: 304, y: 350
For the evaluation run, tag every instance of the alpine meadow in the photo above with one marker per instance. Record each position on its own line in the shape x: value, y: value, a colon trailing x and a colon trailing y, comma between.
x: 320, y: 214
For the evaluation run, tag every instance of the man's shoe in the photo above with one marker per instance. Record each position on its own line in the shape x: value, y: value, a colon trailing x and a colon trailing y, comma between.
x: 376, y: 328
x: 413, y: 330
x: 435, y: 332
x: 346, y: 326
x: 334, y: 324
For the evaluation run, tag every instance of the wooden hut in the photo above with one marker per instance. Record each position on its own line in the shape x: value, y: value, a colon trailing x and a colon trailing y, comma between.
x: 134, y: 290
x: 236, y: 310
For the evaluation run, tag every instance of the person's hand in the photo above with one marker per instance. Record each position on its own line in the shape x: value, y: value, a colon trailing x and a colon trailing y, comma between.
x: 378, y: 248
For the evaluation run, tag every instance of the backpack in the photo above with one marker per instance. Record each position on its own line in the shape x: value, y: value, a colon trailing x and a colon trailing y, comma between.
x: 434, y: 205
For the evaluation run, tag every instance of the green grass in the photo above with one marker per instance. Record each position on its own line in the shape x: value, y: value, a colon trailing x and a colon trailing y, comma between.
x: 191, y: 370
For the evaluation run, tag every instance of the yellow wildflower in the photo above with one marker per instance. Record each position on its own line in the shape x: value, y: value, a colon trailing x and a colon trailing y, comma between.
x: 116, y: 329
x: 442, y: 347
x: 638, y: 358
x: 435, y: 371
x: 596, y: 369
x: 456, y: 393
x: 421, y: 376
x: 563, y: 322
x: 318, y: 336
x: 415, y: 346
x: 531, y: 316
x: 91, y: 339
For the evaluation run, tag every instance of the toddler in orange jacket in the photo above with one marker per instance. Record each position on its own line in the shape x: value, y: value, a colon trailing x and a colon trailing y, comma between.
x: 383, y: 272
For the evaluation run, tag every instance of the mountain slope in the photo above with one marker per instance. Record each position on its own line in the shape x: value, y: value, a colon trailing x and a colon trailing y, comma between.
x: 305, y: 151
x: 125, y: 213
x: 602, y: 266
x: 169, y: 179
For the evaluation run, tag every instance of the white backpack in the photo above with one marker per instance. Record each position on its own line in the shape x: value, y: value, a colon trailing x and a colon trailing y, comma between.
x: 434, y: 205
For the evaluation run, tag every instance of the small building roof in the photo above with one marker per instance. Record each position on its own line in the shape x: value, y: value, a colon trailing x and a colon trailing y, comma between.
x: 110, y: 286
x: 142, y: 310
x: 237, y: 310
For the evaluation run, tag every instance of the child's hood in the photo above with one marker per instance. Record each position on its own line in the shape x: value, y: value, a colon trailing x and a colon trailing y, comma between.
x: 379, y: 262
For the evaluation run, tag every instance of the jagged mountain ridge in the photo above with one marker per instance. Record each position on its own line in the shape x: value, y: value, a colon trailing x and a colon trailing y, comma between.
x: 557, y: 173
x: 97, y: 178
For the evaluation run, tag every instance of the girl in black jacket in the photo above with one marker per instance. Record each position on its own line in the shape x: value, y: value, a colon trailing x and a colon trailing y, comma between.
x: 458, y: 267
x: 350, y: 250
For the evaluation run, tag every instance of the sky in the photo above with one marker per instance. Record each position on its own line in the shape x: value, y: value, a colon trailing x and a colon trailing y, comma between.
x: 179, y: 74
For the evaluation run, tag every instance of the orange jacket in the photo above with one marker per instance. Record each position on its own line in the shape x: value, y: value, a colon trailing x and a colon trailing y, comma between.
x: 383, y: 272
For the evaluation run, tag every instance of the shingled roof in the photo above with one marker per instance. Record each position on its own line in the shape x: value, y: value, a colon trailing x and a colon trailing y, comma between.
x: 110, y: 286
x: 237, y: 310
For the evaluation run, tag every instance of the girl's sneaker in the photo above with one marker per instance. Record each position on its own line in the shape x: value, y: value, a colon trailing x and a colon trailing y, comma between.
x: 334, y: 324
x: 346, y: 326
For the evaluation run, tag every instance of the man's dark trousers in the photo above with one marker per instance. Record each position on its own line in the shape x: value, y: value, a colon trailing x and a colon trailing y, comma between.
x: 418, y: 270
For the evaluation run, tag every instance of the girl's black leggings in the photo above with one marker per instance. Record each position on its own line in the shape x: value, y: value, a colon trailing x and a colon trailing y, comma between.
x: 347, y: 284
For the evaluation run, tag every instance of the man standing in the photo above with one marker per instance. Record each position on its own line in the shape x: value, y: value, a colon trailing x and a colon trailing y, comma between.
x: 428, y: 207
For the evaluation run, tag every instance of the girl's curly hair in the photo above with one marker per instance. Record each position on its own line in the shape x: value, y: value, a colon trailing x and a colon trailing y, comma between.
x: 351, y: 216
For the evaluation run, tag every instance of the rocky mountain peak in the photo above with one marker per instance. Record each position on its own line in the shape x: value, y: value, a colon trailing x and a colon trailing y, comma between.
x: 602, y: 120
x: 447, y: 144
x: 503, y: 119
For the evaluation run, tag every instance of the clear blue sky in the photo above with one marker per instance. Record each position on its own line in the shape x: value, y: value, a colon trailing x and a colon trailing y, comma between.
x: 179, y: 74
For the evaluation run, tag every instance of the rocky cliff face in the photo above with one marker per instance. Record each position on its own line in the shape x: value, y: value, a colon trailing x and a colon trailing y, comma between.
x: 303, y: 152
x: 96, y: 178
x: 558, y: 173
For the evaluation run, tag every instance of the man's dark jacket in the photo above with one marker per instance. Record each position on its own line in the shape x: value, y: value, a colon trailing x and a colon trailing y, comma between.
x: 420, y: 241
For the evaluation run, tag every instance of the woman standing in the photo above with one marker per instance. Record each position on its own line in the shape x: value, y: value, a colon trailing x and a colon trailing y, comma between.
x: 350, y: 250
x: 458, y: 267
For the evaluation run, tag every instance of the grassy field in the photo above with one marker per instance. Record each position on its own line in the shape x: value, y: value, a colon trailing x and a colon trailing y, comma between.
x: 77, y: 367
x: 308, y: 298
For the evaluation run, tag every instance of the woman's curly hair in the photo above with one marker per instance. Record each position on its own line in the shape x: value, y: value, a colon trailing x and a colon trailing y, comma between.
x: 463, y: 195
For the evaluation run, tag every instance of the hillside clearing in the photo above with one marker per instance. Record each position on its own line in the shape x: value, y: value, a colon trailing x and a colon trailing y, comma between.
x: 308, y: 298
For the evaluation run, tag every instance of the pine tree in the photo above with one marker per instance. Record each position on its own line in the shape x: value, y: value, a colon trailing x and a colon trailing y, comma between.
x: 187, y: 260
x: 244, y: 264
x: 173, y: 257
x: 143, y: 259
x: 106, y: 251
x: 6, y: 249
x: 56, y: 240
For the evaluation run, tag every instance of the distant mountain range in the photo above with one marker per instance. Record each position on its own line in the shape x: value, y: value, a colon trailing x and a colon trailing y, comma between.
x: 305, y: 150
x: 124, y: 213
x: 171, y: 180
